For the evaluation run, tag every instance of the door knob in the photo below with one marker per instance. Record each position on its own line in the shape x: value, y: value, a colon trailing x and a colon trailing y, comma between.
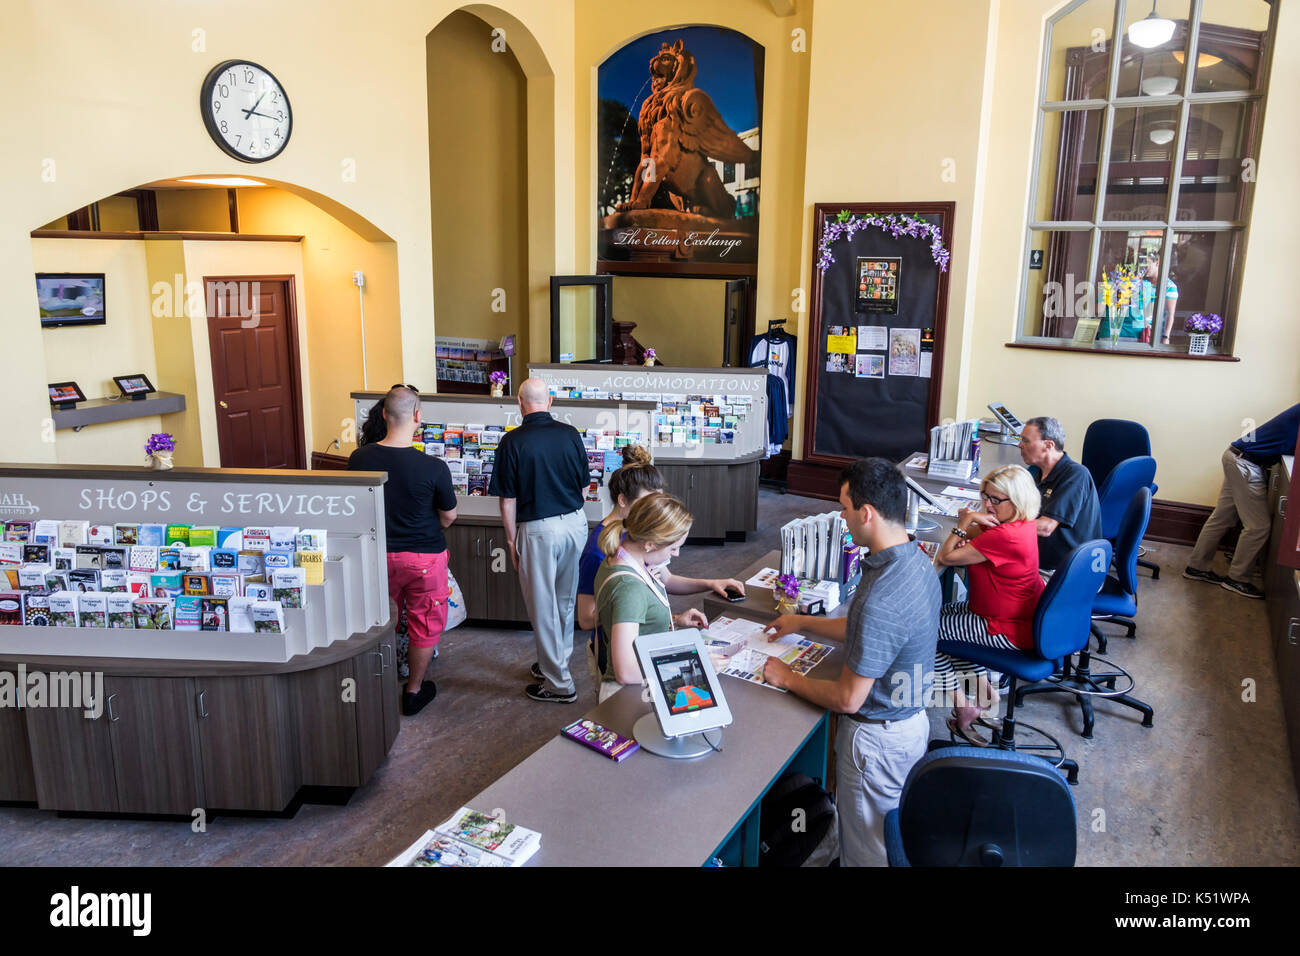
x: 223, y: 404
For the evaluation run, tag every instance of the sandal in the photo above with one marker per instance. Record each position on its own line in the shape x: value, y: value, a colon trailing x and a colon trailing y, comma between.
x: 968, y: 734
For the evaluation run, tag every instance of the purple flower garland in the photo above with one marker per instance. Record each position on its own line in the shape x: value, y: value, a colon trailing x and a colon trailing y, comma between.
x: 845, y: 225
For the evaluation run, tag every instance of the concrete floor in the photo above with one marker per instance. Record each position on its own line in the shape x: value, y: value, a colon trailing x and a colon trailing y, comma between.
x: 1210, y: 784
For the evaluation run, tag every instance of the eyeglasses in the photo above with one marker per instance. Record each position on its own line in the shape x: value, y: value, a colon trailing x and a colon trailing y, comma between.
x: 993, y: 499
x: 404, y: 385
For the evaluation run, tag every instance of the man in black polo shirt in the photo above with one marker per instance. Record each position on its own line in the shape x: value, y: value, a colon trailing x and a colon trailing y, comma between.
x: 1071, y: 513
x: 1244, y: 495
x: 540, y: 476
x: 418, y: 503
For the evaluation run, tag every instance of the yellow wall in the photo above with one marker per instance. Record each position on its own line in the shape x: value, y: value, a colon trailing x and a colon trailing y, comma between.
x: 173, y: 345
x: 603, y: 27
x: 194, y: 210
x: 681, y: 319
x: 236, y: 258
x: 1192, y: 409
x: 934, y: 92
x: 151, y: 129
x: 92, y: 355
x: 331, y: 252
x: 478, y: 183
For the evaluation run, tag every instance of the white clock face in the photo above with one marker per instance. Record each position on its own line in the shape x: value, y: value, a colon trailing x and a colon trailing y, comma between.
x: 246, y: 111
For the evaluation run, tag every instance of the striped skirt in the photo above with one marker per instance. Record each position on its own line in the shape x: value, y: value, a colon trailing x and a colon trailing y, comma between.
x: 957, y: 622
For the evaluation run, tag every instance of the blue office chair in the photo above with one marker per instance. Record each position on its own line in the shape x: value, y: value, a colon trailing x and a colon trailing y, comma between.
x: 1062, y: 627
x: 1108, y: 442
x: 1116, y: 599
x: 966, y: 807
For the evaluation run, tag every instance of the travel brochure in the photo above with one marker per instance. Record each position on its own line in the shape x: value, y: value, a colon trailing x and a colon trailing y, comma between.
x: 157, y: 577
x: 740, y: 649
x: 472, y: 839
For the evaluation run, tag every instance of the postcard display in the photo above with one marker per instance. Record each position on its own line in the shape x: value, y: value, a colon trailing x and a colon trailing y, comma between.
x: 465, y: 430
x: 346, y: 512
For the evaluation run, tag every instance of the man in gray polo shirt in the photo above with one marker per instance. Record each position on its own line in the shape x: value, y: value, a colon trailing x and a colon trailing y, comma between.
x: 889, y: 637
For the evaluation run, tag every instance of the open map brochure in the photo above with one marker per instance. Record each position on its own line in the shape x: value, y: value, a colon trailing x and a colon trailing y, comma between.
x: 471, y: 838
x: 740, y: 649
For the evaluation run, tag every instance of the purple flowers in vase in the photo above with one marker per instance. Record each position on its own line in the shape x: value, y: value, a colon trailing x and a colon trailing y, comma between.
x: 1205, y: 323
x: 498, y: 378
x: 787, y: 585
x: 159, y: 441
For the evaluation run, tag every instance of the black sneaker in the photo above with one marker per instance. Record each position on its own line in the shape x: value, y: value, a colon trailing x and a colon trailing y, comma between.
x: 536, y: 671
x: 1209, y: 577
x: 412, y: 704
x: 539, y: 692
x: 1243, y: 588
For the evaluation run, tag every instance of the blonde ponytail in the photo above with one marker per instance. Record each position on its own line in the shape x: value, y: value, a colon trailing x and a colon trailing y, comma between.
x: 611, y: 536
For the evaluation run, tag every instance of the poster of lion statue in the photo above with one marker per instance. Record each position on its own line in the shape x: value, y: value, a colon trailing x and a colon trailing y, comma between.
x: 678, y: 139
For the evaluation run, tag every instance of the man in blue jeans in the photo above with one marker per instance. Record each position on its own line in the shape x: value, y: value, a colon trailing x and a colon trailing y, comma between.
x: 1244, y: 495
x: 889, y: 637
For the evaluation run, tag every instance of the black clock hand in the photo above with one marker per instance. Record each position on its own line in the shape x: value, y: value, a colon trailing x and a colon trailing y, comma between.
x: 255, y: 105
x: 263, y: 115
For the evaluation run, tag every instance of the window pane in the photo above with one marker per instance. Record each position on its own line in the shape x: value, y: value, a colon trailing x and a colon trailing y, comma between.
x: 1218, y: 135
x: 1128, y: 268
x: 1149, y: 58
x: 1141, y: 162
x: 1201, y: 276
x: 1230, y: 45
x: 1058, y: 292
x: 1067, y: 176
x: 1079, y: 63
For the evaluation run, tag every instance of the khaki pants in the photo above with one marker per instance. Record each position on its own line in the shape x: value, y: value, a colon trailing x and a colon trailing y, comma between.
x: 871, y: 763
x: 548, y: 574
x: 1244, y: 495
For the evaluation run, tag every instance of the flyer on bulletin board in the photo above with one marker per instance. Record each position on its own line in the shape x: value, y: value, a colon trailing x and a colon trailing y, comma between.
x: 870, y: 366
x: 904, y: 351
x: 873, y: 338
x: 841, y: 339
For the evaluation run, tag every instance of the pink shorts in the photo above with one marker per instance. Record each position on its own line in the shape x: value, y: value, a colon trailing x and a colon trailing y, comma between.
x: 419, y: 581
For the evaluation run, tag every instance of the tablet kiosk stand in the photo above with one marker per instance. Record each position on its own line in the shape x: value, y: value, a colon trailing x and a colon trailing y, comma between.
x: 647, y: 733
x: 915, y: 522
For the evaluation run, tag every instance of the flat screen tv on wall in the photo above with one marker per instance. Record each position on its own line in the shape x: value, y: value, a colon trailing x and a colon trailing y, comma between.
x: 70, y: 298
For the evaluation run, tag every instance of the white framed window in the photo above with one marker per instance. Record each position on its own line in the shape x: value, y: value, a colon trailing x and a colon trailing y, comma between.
x: 1145, y: 160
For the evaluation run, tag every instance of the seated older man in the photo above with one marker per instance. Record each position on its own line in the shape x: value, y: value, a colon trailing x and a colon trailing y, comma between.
x: 1070, y: 513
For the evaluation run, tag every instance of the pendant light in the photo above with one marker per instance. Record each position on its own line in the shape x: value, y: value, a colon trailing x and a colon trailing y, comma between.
x: 1151, y: 31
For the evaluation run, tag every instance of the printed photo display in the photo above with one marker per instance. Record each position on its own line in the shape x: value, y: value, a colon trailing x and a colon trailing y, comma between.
x: 904, y: 351
x: 878, y: 284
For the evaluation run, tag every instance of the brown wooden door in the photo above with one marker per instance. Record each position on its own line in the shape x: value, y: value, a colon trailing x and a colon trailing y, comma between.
x: 246, y: 752
x: 17, y: 782
x: 255, y: 371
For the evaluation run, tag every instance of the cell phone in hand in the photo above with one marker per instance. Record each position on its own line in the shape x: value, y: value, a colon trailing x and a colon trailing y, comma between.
x: 734, y: 596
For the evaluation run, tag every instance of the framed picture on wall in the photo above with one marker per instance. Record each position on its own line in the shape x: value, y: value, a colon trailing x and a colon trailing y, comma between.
x: 678, y: 136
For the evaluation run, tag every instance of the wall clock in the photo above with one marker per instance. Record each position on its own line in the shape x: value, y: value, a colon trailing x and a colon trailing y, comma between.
x: 246, y: 111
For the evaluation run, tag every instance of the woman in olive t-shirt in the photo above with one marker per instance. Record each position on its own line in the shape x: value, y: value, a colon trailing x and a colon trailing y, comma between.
x: 629, y: 600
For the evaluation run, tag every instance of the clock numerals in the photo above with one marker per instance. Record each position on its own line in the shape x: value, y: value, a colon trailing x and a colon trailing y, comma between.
x: 243, y: 101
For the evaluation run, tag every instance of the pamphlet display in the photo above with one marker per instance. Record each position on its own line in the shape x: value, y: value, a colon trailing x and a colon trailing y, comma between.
x: 465, y: 432
x: 740, y: 649
x: 711, y: 414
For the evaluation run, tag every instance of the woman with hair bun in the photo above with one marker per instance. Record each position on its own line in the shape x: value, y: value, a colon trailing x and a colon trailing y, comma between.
x: 637, y: 478
x: 629, y: 598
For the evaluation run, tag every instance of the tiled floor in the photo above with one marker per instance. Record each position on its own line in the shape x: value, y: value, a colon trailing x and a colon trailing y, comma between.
x: 1210, y: 784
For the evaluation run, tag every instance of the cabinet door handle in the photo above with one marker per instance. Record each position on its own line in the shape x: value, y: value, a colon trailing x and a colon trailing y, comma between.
x: 1272, y: 482
x: 1281, y: 506
x: 1290, y: 630
x: 203, y: 711
x: 691, y: 481
x: 478, y: 547
x: 112, y: 717
x: 380, y: 655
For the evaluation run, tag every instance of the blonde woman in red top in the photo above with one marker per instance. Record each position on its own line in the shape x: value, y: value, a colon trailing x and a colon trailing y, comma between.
x: 998, y: 546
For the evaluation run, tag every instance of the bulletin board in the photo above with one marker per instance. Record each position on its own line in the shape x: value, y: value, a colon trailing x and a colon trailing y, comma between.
x: 871, y: 395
